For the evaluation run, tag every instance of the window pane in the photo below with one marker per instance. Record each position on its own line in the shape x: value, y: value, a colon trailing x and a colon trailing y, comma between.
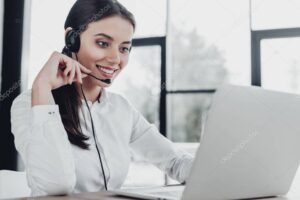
x: 150, y: 16
x: 210, y: 43
x: 46, y: 32
x: 280, y: 64
x: 187, y: 115
x: 270, y: 14
x: 140, y: 81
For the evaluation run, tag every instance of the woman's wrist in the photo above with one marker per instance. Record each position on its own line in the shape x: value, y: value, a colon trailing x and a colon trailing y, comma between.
x: 40, y: 83
x: 41, y: 93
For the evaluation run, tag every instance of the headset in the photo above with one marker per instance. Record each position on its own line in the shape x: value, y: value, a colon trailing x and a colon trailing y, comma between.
x: 72, y: 42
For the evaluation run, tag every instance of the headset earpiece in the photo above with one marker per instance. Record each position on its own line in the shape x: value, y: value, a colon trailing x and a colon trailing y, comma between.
x: 72, y: 41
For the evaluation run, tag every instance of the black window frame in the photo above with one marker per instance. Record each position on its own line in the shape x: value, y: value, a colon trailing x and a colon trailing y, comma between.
x: 164, y: 92
x: 256, y: 37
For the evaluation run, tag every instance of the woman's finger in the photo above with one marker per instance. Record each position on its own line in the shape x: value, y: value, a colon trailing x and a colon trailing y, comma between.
x: 83, y: 75
x: 68, y: 68
x: 72, y: 74
x: 78, y: 74
x: 69, y: 64
x: 84, y: 69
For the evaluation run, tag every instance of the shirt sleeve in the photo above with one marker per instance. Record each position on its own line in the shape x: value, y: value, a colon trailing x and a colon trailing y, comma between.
x: 151, y: 145
x: 43, y: 145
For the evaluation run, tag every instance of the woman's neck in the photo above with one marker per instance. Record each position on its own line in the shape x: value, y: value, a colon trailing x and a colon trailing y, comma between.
x: 91, y: 92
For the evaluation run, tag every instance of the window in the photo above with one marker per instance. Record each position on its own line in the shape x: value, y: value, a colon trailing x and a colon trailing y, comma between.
x: 270, y: 14
x: 280, y: 61
x: 150, y: 16
x: 209, y: 45
x: 275, y: 42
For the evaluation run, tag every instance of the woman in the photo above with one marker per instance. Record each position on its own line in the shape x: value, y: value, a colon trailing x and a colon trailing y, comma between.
x: 72, y: 134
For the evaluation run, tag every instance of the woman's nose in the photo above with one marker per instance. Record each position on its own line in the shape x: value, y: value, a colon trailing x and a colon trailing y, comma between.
x: 113, y: 56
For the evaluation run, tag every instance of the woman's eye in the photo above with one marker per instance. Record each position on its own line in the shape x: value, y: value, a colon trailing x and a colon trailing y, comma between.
x: 125, y: 49
x: 103, y: 44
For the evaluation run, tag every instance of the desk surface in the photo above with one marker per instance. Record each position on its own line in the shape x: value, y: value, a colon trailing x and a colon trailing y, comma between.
x: 110, y: 196
x: 293, y: 194
x: 83, y: 196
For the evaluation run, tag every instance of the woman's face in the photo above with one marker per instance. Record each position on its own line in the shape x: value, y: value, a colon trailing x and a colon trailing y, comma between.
x: 104, y: 48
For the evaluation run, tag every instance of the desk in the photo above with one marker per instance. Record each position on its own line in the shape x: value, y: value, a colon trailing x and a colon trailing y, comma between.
x: 83, y: 196
x: 293, y: 194
x: 109, y: 196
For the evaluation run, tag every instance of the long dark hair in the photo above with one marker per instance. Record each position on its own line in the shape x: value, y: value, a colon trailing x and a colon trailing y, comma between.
x: 67, y: 97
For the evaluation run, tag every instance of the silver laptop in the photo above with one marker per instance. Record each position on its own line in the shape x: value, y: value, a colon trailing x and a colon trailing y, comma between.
x: 250, y: 148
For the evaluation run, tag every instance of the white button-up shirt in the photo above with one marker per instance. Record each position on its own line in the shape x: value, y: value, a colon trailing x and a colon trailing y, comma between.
x: 55, y: 166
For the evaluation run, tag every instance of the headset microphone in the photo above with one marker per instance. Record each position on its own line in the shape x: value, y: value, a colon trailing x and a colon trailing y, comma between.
x: 107, y: 81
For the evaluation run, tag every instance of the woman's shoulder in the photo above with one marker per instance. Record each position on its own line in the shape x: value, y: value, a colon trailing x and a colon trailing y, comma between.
x: 117, y: 98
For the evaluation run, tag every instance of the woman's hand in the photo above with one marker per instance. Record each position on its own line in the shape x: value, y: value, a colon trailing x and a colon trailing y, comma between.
x: 60, y: 70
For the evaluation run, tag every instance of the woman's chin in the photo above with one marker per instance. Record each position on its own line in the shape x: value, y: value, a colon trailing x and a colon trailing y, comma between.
x: 105, y: 85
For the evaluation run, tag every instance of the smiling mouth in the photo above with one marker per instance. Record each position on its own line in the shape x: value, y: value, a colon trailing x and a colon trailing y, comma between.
x: 106, y: 70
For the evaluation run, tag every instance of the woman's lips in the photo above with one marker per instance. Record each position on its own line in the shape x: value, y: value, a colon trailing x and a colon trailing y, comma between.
x: 107, y: 72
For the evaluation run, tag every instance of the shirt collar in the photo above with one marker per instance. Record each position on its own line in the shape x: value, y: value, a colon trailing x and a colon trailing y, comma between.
x: 102, y: 98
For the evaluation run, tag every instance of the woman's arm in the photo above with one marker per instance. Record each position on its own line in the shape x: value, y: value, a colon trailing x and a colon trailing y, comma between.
x: 148, y: 142
x: 42, y: 142
x: 40, y: 137
x: 41, y: 94
x: 59, y: 70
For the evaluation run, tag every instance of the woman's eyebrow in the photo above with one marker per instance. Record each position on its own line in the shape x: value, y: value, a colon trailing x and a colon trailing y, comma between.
x: 127, y: 42
x: 111, y: 38
x: 104, y: 35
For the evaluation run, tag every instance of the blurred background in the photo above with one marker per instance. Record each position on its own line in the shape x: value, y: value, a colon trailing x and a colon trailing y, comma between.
x: 183, y: 50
